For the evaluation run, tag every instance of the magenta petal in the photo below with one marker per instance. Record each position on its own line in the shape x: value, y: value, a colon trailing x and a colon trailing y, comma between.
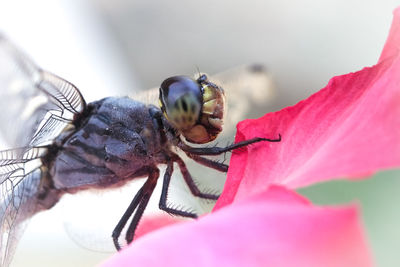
x: 275, y: 228
x: 153, y: 222
x: 351, y: 128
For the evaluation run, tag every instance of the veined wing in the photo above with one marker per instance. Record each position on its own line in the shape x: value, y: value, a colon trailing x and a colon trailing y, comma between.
x: 35, y: 106
x: 19, y: 184
x: 246, y: 88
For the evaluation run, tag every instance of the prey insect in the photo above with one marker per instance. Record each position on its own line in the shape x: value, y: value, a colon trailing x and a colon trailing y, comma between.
x: 68, y: 145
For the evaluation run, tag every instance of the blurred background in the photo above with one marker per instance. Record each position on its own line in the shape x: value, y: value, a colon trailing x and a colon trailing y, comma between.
x: 119, y: 47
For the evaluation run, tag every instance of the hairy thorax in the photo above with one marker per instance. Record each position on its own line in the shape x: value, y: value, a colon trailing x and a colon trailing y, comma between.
x: 115, y: 143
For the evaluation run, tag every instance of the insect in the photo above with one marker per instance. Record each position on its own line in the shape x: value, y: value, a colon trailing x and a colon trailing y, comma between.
x: 68, y: 145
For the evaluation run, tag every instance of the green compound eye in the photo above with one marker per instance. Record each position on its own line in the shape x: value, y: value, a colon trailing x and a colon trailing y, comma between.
x: 194, y: 107
x: 181, y: 100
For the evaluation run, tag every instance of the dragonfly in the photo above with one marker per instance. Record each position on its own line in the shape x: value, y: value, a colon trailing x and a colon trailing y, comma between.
x: 64, y: 145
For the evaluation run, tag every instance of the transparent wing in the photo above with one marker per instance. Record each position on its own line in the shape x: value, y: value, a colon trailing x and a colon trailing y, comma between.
x: 35, y: 105
x: 247, y: 89
x: 19, y: 179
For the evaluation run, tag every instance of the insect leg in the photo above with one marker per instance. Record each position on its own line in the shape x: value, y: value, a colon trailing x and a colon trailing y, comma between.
x: 124, y: 219
x: 164, y: 194
x: 210, y: 151
x: 137, y: 200
x: 147, y: 192
x: 190, y: 182
x: 209, y: 163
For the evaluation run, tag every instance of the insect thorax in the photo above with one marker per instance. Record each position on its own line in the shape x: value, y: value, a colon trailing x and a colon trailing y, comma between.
x: 116, y: 142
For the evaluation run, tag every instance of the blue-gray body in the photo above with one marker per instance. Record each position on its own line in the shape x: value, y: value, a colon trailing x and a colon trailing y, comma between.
x: 112, y: 143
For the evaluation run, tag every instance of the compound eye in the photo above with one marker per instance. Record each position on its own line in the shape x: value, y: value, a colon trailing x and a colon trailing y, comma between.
x: 181, y: 101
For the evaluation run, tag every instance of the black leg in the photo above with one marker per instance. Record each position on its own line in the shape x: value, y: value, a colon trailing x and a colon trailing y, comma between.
x: 210, y: 151
x: 130, y: 234
x: 189, y: 181
x: 209, y: 163
x: 131, y: 208
x: 164, y: 195
x: 124, y: 219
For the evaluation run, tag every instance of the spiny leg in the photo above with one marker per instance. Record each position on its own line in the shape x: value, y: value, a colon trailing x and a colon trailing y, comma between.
x: 194, y: 153
x: 164, y: 194
x: 148, y: 191
x: 190, y: 182
x: 124, y: 219
x: 131, y: 208
x: 209, y: 163
x: 213, y: 151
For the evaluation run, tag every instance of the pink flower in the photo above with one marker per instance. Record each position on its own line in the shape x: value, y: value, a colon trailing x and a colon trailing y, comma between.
x: 274, y: 228
x: 351, y: 128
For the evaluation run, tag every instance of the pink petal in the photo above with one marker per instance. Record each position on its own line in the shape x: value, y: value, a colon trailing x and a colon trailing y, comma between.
x: 154, y: 222
x: 351, y: 128
x: 275, y: 228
